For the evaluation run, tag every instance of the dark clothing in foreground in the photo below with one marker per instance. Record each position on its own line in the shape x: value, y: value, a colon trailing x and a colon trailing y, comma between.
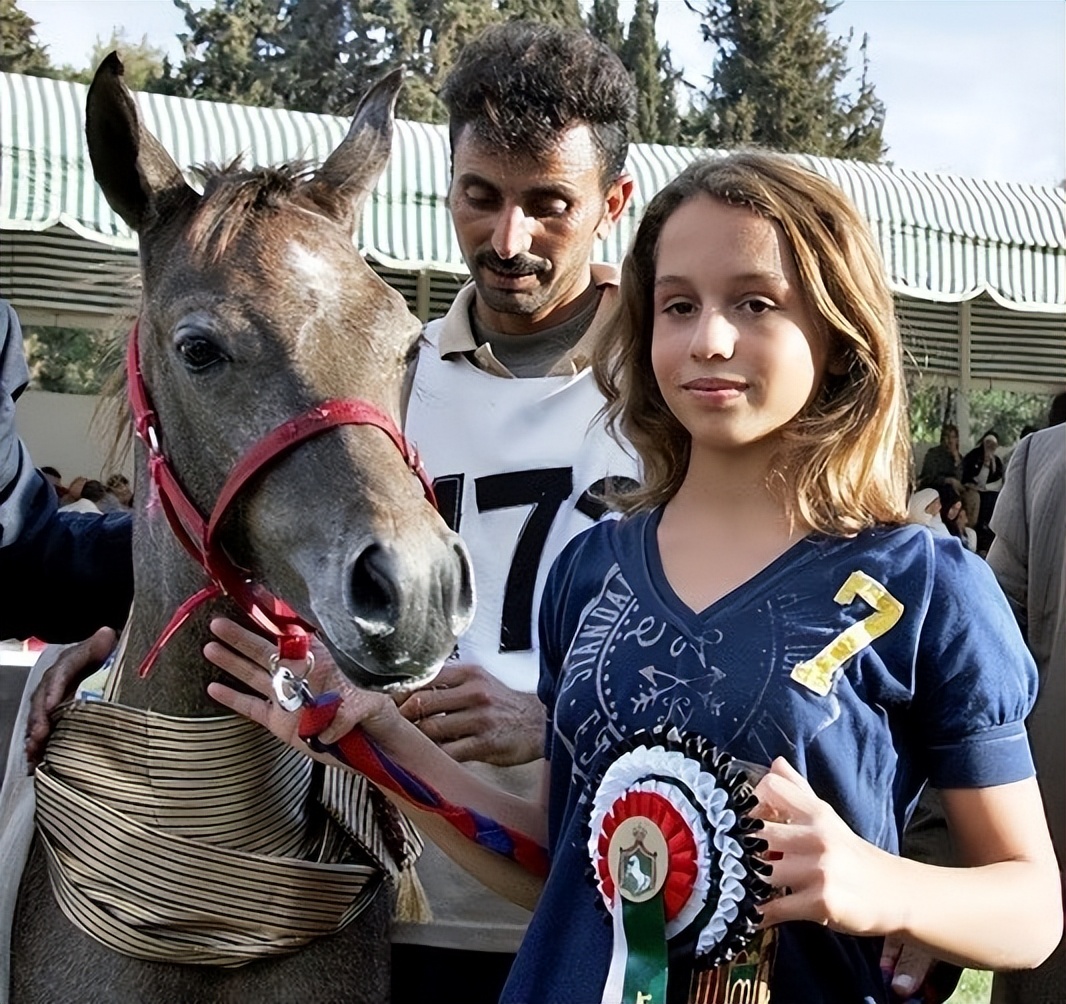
x: 64, y: 574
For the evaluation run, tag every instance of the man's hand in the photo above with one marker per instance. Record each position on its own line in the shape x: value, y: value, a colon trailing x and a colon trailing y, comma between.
x: 58, y: 684
x: 904, y: 967
x: 914, y: 976
x: 472, y: 716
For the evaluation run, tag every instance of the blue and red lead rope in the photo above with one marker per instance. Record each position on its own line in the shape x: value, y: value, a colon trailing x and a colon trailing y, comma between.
x: 360, y: 754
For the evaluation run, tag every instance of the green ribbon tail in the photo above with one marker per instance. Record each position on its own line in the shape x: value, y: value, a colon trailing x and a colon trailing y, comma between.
x: 645, y: 927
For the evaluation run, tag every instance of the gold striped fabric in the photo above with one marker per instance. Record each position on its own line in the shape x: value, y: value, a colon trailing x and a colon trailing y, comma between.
x: 202, y: 841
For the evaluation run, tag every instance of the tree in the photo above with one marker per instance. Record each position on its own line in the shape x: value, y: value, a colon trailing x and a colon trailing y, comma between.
x: 654, y: 77
x: 603, y: 23
x: 67, y: 360
x: 143, y: 63
x: 20, y: 52
x: 322, y: 55
x: 226, y: 50
x: 777, y: 79
x: 565, y: 12
x: 426, y: 37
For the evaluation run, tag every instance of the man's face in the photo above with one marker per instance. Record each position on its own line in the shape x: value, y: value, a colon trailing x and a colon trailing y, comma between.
x: 526, y: 226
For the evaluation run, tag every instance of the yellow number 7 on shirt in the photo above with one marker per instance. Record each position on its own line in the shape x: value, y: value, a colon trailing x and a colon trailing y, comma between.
x: 817, y: 674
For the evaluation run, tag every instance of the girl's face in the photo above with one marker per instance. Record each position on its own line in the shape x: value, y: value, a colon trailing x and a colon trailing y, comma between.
x: 736, y: 352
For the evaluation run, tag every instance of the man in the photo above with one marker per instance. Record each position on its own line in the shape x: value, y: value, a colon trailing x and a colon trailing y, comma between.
x: 503, y: 409
x: 1028, y: 557
x: 65, y: 574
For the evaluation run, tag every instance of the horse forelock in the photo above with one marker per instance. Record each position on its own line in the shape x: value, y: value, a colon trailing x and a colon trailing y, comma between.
x: 236, y: 198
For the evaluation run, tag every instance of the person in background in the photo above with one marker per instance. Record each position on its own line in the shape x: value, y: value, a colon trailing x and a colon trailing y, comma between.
x: 98, y: 494
x: 55, y: 479
x: 923, y: 509
x: 982, y: 472
x: 1028, y: 557
x: 121, y: 489
x: 65, y: 574
x: 83, y: 496
x: 944, y: 461
x: 953, y: 515
x: 981, y: 467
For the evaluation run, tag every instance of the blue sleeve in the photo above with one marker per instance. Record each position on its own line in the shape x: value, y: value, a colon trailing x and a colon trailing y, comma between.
x: 976, y: 680
x: 64, y: 574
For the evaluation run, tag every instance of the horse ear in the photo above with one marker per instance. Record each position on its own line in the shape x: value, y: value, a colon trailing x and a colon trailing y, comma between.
x: 353, y: 169
x: 129, y: 163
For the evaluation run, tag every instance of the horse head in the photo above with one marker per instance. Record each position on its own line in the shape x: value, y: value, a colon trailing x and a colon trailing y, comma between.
x: 256, y: 308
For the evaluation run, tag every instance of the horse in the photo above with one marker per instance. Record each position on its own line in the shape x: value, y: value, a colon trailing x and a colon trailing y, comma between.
x: 259, y: 319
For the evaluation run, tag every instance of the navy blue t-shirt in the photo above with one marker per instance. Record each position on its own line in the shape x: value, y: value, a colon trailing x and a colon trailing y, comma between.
x: 940, y: 693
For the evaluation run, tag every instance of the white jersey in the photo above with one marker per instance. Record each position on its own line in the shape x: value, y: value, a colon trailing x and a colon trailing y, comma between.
x: 516, y: 464
x: 512, y: 461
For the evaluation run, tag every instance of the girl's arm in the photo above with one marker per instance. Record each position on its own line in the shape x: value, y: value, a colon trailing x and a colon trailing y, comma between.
x: 1002, y: 911
x: 245, y: 656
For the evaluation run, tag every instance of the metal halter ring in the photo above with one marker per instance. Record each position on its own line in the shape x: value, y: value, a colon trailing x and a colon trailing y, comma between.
x: 291, y: 691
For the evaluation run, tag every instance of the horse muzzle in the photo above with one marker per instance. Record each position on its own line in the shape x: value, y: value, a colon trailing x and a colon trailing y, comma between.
x: 404, y: 609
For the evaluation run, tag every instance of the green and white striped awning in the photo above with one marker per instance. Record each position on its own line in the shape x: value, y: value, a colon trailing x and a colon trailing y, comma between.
x: 946, y: 240
x: 943, y: 237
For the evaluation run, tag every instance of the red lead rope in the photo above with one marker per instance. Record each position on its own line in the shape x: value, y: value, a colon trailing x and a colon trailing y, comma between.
x: 199, y: 536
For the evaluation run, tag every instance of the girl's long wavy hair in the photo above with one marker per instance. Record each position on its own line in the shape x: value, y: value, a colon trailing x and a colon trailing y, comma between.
x: 843, y: 460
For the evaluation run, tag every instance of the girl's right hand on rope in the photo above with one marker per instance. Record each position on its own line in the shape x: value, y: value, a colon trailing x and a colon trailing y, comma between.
x: 246, y: 656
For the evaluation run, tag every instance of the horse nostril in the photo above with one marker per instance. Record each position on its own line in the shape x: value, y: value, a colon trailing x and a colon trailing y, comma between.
x: 373, y: 592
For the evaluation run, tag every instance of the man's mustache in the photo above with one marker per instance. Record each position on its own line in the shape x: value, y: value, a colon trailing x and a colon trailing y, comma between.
x: 520, y: 264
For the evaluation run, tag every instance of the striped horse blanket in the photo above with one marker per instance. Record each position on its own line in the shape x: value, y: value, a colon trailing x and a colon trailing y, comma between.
x: 205, y: 841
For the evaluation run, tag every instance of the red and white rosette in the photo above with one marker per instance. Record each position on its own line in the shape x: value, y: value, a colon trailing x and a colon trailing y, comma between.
x: 673, y: 854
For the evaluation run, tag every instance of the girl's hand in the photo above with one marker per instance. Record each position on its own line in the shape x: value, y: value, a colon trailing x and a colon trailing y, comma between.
x: 823, y: 871
x: 246, y: 656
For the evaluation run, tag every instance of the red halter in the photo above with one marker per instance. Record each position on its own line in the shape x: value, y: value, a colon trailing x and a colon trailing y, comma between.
x: 200, y: 537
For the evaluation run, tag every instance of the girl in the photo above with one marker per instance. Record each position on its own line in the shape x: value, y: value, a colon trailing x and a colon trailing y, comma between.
x: 762, y: 593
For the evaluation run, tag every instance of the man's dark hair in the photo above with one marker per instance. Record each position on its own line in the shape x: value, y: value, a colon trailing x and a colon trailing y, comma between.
x: 519, y: 84
x: 1057, y: 413
x: 94, y: 491
x: 50, y: 470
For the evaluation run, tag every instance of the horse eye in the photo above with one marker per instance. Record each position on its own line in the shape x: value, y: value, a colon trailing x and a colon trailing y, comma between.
x: 199, y: 353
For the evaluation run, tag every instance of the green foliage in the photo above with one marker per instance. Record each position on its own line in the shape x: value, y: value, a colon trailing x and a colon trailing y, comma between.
x: 142, y: 62
x: 777, y: 82
x: 426, y: 36
x: 20, y: 52
x: 1007, y: 412
x: 930, y: 406
x: 565, y: 12
x: 654, y: 76
x: 226, y: 50
x: 68, y: 360
x: 648, y: 63
x: 322, y: 55
x: 975, y: 987
x: 603, y: 23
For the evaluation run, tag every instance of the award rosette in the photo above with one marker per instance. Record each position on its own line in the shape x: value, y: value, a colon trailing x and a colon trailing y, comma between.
x: 673, y: 854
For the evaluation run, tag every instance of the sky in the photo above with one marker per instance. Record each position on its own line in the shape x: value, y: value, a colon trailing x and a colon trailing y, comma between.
x: 971, y: 87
